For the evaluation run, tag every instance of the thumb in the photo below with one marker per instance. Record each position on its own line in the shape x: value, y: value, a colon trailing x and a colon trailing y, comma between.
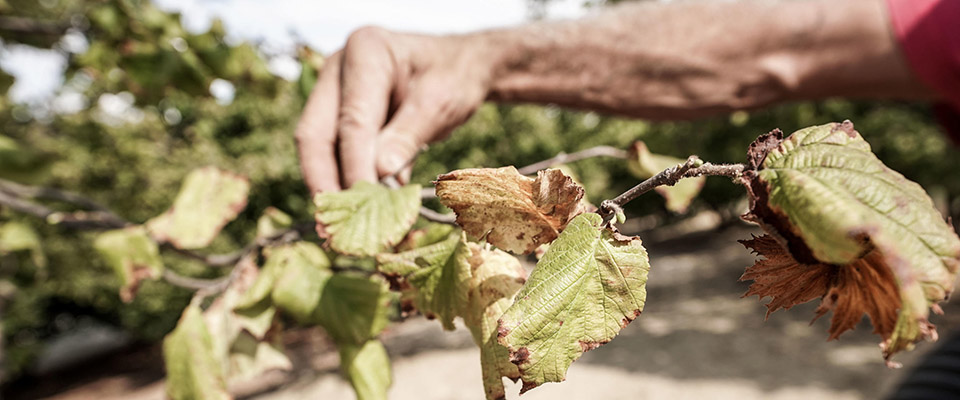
x: 404, y: 136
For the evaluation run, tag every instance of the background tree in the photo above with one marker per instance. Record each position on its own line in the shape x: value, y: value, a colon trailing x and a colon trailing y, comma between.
x: 146, y: 118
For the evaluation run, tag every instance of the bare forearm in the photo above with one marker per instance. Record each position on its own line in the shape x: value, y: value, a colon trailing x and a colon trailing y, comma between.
x: 694, y: 59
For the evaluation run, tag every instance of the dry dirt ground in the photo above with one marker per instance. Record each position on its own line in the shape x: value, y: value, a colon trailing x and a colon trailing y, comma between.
x: 696, y: 339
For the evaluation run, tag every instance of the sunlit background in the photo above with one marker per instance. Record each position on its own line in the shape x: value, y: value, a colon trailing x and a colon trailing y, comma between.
x: 121, y: 114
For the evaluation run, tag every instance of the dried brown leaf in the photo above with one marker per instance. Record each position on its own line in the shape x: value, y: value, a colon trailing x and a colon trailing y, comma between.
x: 865, y: 286
x: 509, y: 210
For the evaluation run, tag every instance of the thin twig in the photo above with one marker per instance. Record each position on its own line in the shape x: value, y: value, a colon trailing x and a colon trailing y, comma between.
x: 434, y: 216
x: 81, y: 220
x: 563, y: 158
x: 49, y: 193
x: 186, y: 282
x: 693, y: 167
x: 295, y: 232
x: 32, y: 26
x: 12, y: 195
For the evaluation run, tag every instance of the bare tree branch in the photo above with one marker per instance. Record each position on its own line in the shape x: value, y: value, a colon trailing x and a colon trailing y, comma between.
x: 434, y: 216
x: 13, y: 195
x: 213, y: 285
x: 563, y: 158
x: 693, y: 167
x: 32, y: 26
x: 48, y: 193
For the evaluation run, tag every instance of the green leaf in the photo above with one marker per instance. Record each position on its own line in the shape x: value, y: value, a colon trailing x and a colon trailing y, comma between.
x: 495, y: 278
x: 367, y: 367
x: 272, y: 222
x: 193, y: 371
x: 353, y: 309
x: 208, y: 200
x: 588, y: 286
x: 303, y: 271
x: 368, y: 218
x: 440, y: 273
x: 833, y: 201
x: 133, y: 255
x: 644, y: 164
x: 17, y: 236
x: 251, y: 357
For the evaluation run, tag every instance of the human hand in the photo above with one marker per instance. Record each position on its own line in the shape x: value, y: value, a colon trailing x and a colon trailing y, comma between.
x: 382, y: 98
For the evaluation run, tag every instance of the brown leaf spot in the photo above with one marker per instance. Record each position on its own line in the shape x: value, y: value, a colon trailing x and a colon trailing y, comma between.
x: 587, y: 346
x: 627, y: 319
x: 138, y: 273
x: 502, y: 331
x: 520, y: 356
x: 527, y: 386
x: 846, y: 126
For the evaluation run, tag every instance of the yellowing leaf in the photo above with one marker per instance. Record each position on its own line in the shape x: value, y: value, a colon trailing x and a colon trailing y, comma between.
x: 367, y: 367
x: 509, y: 210
x: 132, y: 255
x: 439, y: 272
x: 193, y: 371
x: 208, y: 200
x: 302, y: 271
x: 589, y: 285
x: 272, y: 222
x: 245, y: 342
x: 17, y: 236
x: 829, y: 200
x: 368, y: 218
x: 495, y: 278
x: 644, y: 164
x: 454, y: 278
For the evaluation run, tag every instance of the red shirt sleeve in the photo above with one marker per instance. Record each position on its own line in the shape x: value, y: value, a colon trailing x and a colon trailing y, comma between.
x: 929, y: 35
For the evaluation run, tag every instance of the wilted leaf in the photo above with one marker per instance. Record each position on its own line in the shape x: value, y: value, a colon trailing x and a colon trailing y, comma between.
x: 645, y: 164
x: 588, y: 286
x: 509, y: 210
x: 302, y: 270
x: 440, y: 273
x: 866, y: 286
x: 133, y: 255
x: 17, y: 236
x: 829, y: 200
x: 272, y: 222
x: 208, y: 200
x: 367, y: 367
x: 193, y: 372
x: 495, y: 277
x: 368, y: 218
x: 246, y: 342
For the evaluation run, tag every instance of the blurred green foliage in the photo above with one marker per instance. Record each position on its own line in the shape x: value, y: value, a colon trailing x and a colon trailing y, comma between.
x: 134, y: 162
